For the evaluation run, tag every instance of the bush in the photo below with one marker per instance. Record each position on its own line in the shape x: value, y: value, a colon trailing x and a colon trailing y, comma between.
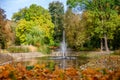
x: 44, y: 49
x: 87, y: 49
x: 18, y: 49
x: 42, y: 72
x: 117, y: 52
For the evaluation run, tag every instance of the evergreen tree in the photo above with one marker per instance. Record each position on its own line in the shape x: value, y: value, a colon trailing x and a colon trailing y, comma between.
x: 56, y: 10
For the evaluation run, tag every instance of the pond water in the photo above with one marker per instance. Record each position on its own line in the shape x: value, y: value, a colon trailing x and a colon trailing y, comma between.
x: 69, y: 61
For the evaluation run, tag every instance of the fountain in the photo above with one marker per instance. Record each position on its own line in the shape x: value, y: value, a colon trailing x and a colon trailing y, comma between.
x: 63, y: 46
x: 64, y: 60
x: 64, y: 49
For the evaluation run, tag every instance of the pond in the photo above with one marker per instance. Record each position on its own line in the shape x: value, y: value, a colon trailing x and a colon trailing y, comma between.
x: 51, y: 61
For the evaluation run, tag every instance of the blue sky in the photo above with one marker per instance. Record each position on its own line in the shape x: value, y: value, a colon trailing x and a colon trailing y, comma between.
x: 12, y: 6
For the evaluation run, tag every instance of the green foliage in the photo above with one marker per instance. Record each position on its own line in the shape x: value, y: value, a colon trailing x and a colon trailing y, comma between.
x: 104, y: 26
x: 51, y: 65
x: 93, y: 43
x: 19, y: 15
x: 75, y: 31
x: 56, y: 10
x: 116, y: 39
x: 35, y: 37
x: 34, y: 26
x: 18, y: 49
x: 44, y: 49
x: 102, y: 16
x: 23, y: 27
x: 12, y: 76
x: 30, y: 13
x: 29, y: 67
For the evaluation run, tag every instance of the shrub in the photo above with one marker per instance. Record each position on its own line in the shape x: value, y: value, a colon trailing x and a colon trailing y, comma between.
x: 44, y: 49
x: 18, y: 49
x: 117, y: 52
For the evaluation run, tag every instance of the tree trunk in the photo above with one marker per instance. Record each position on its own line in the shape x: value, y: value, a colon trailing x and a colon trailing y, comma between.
x: 106, y: 44
x: 101, y: 42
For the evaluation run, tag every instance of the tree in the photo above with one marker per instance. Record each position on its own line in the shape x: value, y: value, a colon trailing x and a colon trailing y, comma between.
x: 22, y: 14
x: 75, y: 31
x: 117, y: 2
x: 104, y: 17
x: 29, y: 20
x: 6, y: 33
x: 115, y: 41
x: 56, y: 10
x: 2, y: 23
x: 116, y: 38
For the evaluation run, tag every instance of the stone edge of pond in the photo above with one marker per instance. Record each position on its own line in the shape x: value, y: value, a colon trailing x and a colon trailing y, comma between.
x: 20, y: 56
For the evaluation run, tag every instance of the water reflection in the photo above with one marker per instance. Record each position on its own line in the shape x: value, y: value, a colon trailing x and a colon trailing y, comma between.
x: 69, y: 61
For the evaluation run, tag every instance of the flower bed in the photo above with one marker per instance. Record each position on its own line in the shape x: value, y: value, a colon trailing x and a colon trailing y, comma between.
x: 106, y: 67
x: 42, y: 72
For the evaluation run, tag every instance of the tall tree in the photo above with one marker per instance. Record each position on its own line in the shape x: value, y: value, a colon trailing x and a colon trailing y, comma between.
x: 103, y: 14
x: 116, y: 39
x: 2, y: 24
x: 6, y: 33
x: 30, y: 20
x: 75, y: 31
x: 56, y: 10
